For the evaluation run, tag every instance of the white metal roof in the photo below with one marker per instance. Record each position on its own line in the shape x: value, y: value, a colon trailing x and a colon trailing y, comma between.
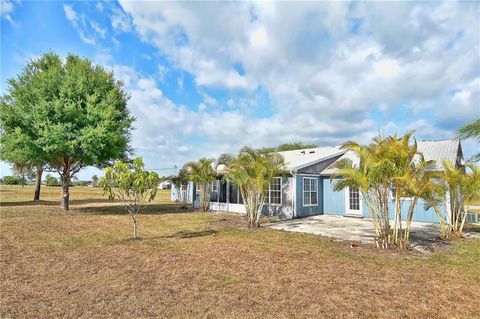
x: 439, y: 151
x: 431, y: 150
x: 298, y: 159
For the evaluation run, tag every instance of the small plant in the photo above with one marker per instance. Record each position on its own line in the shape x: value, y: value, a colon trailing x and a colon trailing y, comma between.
x: 131, y: 184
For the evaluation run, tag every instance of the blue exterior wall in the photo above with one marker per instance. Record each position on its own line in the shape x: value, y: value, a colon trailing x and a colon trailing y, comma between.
x: 174, y: 195
x: 421, y: 213
x: 302, y: 211
x: 333, y: 202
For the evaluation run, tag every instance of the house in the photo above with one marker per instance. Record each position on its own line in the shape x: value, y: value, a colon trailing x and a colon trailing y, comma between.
x: 307, y: 188
x: 166, y: 184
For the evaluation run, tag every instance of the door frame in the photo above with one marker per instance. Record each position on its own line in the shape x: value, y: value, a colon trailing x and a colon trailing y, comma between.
x: 352, y: 212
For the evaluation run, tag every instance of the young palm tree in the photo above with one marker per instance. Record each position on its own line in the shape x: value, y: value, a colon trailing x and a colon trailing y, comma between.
x: 252, y: 171
x: 461, y: 188
x: 372, y: 178
x: 202, y: 173
x: 390, y: 164
x: 417, y: 183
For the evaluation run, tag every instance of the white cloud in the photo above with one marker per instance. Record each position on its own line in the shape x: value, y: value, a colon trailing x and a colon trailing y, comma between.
x: 259, y: 37
x: 78, y: 23
x: 102, y: 32
x: 7, y: 8
x: 70, y: 13
x: 322, y: 78
x: 120, y: 21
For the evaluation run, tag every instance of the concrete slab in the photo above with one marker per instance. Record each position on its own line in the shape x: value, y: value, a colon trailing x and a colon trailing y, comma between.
x: 422, y: 235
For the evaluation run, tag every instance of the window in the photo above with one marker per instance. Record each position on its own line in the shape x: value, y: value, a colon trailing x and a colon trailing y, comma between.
x: 275, y: 191
x: 233, y: 194
x: 215, y: 186
x: 214, y: 192
x: 310, y: 191
x: 354, y: 198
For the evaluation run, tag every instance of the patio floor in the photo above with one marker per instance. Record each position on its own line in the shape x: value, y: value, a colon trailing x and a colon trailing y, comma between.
x: 422, y: 235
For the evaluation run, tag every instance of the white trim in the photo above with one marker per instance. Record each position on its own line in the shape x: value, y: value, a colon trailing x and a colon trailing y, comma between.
x: 311, y: 191
x: 269, y: 192
x: 294, y: 202
x: 296, y: 168
x: 215, y: 183
x: 352, y: 212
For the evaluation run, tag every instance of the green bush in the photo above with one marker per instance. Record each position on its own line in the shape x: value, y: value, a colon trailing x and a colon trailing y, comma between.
x: 51, y: 181
x: 12, y: 180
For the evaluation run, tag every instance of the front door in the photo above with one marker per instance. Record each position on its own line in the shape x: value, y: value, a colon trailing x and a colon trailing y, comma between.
x: 353, y: 205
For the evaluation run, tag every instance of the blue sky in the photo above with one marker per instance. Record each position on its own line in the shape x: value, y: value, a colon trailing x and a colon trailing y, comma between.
x: 208, y: 78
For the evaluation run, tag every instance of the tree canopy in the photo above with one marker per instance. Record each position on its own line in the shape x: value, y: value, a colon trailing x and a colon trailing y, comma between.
x: 67, y: 113
x: 131, y: 184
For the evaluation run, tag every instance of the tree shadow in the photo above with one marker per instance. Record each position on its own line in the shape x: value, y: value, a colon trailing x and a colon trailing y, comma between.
x: 55, y: 202
x: 152, y: 209
x: 192, y: 234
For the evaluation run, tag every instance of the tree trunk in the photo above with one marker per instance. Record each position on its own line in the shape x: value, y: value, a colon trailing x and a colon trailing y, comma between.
x: 38, y: 182
x: 64, y: 201
x: 134, y: 227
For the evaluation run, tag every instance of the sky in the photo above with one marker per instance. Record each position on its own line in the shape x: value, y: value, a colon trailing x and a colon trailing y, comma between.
x: 207, y: 78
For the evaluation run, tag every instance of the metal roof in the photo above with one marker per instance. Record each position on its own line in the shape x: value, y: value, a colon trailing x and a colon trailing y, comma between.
x: 439, y: 151
x: 432, y: 150
x: 298, y: 159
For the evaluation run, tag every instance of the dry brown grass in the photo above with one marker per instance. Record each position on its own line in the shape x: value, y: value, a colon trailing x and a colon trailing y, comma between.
x: 203, y: 265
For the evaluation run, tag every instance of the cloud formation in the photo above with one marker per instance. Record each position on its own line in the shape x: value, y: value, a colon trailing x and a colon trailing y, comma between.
x: 273, y: 72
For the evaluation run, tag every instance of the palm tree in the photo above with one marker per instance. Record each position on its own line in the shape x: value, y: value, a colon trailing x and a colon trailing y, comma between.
x: 390, y: 164
x: 252, y: 171
x: 372, y: 178
x: 418, y: 183
x: 471, y: 130
x: 202, y: 173
x: 461, y: 187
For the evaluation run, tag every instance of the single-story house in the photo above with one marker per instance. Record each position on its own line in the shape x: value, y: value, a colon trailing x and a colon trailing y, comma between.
x: 307, y: 188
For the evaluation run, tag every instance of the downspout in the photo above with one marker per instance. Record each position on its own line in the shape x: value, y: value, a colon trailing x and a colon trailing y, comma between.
x: 294, y: 192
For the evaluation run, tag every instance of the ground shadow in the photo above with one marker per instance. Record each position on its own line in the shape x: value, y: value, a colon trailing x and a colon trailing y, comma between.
x: 152, y: 209
x: 54, y: 202
x: 192, y: 234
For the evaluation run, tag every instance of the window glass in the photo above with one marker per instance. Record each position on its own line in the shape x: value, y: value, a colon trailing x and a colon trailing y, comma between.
x: 310, y: 191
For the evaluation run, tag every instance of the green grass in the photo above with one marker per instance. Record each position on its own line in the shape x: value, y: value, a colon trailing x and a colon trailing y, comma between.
x: 190, y: 264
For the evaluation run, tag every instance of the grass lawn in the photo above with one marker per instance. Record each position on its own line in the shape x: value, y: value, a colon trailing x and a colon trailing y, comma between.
x: 190, y: 264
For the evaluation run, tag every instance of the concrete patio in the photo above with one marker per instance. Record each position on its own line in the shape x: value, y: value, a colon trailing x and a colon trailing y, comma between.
x: 353, y: 229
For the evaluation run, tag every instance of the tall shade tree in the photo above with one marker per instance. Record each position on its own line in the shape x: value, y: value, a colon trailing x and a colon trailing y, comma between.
x: 69, y: 114
x: 132, y: 185
x: 26, y: 94
x: 252, y: 171
x: 202, y: 173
